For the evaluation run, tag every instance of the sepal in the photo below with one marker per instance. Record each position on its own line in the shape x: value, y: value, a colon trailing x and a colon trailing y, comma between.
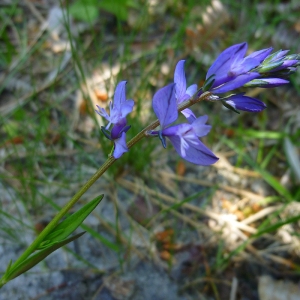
x: 229, y: 107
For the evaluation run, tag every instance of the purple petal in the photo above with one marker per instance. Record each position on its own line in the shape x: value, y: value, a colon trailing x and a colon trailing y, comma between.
x: 118, y: 129
x: 164, y: 105
x: 120, y: 95
x: 102, y: 112
x: 279, y: 55
x: 199, y: 126
x: 188, y: 145
x: 261, y: 54
x: 179, y: 130
x: 226, y: 59
x: 188, y: 114
x: 120, y: 146
x: 180, y: 80
x: 126, y: 107
x: 286, y: 64
x: 235, y: 83
x: 243, y: 67
x: 241, y: 102
x: 197, y: 154
x: 267, y: 82
x: 191, y: 90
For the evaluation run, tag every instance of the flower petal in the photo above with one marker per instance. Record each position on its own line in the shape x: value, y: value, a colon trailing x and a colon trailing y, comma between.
x: 260, y: 55
x: 191, y: 90
x: 235, y: 83
x: 241, y: 102
x: 180, y: 80
x: 120, y: 95
x: 226, y: 59
x: 197, y: 154
x: 126, y: 107
x: 102, y: 112
x: 199, y: 126
x: 286, y: 64
x: 120, y: 146
x: 164, y: 105
x: 266, y: 82
x: 118, y: 129
x: 244, y: 66
x: 188, y: 114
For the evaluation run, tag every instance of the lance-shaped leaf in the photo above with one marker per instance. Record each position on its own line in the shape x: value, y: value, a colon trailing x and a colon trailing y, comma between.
x: 70, y: 224
x: 33, y: 260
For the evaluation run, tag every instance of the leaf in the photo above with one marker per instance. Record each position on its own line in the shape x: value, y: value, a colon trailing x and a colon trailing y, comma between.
x: 84, y: 10
x: 120, y: 11
x: 70, y: 224
x: 36, y: 258
x: 119, y: 8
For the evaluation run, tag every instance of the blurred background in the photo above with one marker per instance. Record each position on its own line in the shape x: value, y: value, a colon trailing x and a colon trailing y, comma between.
x: 166, y: 229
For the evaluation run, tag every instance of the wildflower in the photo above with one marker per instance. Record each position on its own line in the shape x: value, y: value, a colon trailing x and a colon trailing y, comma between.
x: 231, y: 69
x: 181, y: 92
x: 184, y: 137
x: 119, y: 109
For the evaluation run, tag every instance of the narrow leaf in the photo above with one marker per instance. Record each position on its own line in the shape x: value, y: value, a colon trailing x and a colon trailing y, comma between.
x: 70, y: 224
x: 36, y: 258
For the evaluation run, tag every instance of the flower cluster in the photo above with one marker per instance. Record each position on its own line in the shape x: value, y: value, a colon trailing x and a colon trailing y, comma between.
x: 230, y: 71
x: 184, y: 137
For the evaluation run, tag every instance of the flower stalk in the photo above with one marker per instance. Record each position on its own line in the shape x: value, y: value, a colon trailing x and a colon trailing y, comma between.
x: 231, y: 70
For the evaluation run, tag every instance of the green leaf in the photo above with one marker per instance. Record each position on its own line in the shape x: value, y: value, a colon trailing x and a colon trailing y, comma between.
x: 33, y: 260
x: 84, y: 10
x: 119, y: 8
x: 70, y: 224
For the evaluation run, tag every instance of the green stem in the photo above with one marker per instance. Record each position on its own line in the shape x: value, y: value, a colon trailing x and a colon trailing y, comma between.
x: 64, y: 211
x: 90, y: 182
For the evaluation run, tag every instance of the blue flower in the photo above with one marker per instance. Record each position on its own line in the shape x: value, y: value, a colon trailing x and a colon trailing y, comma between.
x: 119, y: 109
x: 232, y: 70
x: 184, y: 137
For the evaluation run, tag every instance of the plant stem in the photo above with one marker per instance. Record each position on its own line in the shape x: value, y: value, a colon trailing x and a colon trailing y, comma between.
x: 64, y: 211
x: 90, y: 182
